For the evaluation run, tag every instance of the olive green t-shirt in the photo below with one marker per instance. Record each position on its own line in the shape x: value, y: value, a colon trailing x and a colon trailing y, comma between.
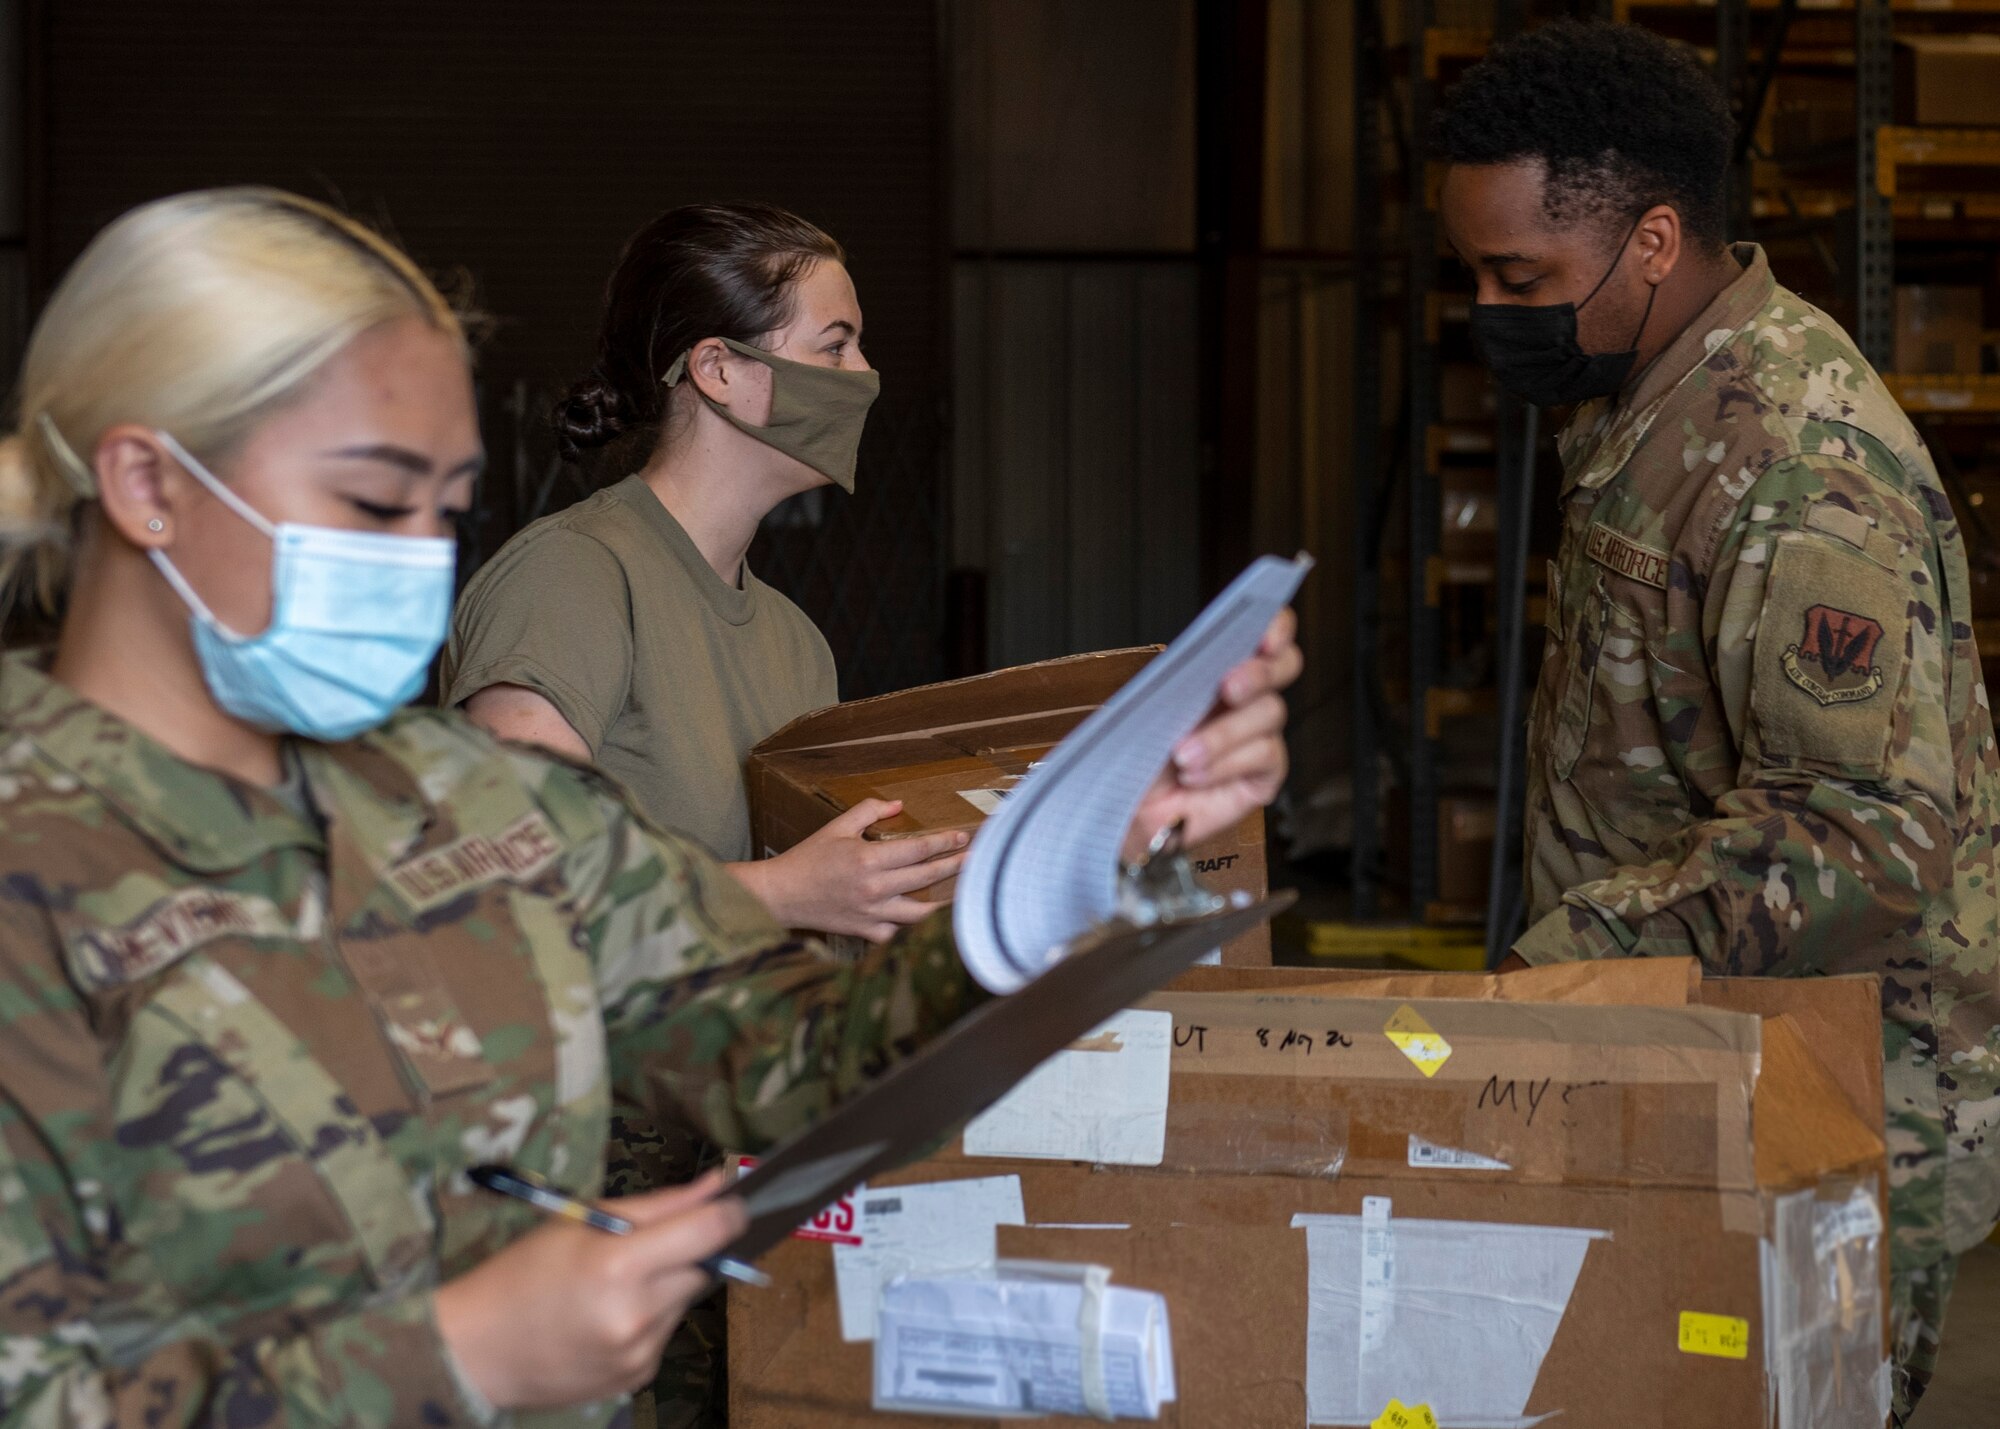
x: 669, y: 674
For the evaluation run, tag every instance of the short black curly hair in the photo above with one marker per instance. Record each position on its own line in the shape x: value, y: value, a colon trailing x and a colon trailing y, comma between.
x: 1622, y: 118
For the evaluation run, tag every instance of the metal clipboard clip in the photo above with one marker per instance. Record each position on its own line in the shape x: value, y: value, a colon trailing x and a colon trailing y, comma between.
x: 1162, y: 887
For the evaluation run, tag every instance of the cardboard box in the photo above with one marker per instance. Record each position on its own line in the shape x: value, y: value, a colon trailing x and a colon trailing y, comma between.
x: 1467, y: 822
x: 1938, y: 329
x: 1621, y: 1194
x: 1466, y: 393
x: 950, y: 752
x: 1466, y: 828
x: 1948, y: 79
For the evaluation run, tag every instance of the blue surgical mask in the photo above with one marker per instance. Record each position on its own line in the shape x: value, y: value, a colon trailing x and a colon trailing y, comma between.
x: 356, y: 617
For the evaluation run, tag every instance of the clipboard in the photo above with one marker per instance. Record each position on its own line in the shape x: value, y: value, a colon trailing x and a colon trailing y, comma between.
x: 979, y: 1060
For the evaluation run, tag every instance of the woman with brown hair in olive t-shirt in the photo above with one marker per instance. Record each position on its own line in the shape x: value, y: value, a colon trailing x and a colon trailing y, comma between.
x: 629, y: 630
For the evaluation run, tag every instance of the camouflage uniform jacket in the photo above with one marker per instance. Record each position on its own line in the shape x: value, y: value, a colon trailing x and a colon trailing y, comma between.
x: 248, y: 1054
x: 1761, y: 736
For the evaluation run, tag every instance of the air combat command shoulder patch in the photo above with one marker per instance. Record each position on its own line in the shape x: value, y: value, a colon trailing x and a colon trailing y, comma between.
x: 1834, y: 659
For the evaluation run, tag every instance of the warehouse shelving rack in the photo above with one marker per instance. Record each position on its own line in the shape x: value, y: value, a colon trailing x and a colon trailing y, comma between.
x: 1418, y: 448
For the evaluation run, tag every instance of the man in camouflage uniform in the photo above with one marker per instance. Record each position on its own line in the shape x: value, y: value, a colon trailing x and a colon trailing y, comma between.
x: 253, y: 1041
x: 1761, y: 735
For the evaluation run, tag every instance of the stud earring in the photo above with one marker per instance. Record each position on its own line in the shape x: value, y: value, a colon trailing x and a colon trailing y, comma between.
x: 156, y: 525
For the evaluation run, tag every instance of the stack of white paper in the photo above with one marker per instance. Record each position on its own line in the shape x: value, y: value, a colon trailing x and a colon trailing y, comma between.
x: 1012, y: 1341
x: 1044, y: 867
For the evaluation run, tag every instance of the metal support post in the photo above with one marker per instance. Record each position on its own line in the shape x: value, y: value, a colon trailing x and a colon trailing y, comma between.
x: 1520, y: 430
x: 1426, y: 622
x: 1366, y: 451
x: 1874, y: 224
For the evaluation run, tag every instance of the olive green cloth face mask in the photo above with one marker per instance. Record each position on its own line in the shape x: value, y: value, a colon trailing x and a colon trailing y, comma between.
x: 816, y: 412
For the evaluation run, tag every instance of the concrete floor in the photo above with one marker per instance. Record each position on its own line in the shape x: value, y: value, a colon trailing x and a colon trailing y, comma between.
x: 1966, y: 1392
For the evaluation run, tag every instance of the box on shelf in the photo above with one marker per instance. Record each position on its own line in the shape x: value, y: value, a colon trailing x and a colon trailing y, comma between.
x: 1807, y: 118
x: 1609, y: 1191
x: 1938, y: 329
x: 1948, y: 80
x: 1466, y: 828
x: 1467, y: 822
x: 951, y: 752
x: 1466, y: 393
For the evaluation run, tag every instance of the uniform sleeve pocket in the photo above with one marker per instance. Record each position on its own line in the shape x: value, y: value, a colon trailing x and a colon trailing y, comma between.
x: 1830, y: 649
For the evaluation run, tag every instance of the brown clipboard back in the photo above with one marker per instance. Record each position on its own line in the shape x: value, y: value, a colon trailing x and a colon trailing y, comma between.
x: 907, y: 1111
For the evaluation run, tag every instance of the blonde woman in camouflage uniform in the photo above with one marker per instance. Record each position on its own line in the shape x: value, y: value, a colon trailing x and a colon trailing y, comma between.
x: 277, y: 965
x: 1761, y: 736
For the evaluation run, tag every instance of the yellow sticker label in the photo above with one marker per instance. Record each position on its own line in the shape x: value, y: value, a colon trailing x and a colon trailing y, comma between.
x: 1401, y: 1416
x: 1418, y: 1040
x: 1723, y: 1336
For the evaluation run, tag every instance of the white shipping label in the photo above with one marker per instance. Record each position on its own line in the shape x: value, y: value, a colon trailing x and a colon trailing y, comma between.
x: 1103, y: 1099
x: 1012, y: 1346
x: 917, y: 1230
x: 1458, y: 1312
x: 1837, y: 1223
x: 987, y: 799
x: 1429, y: 1154
x: 1378, y: 1273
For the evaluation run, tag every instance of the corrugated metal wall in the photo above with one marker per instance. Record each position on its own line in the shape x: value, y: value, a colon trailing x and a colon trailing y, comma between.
x: 523, y: 141
x: 1076, y: 451
x: 1076, y: 443
x: 1308, y: 495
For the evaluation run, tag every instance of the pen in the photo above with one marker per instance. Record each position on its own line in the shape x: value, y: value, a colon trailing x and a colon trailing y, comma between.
x: 527, y: 1186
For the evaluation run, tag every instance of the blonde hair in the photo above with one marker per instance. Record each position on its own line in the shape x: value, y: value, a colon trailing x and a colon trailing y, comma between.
x: 195, y: 314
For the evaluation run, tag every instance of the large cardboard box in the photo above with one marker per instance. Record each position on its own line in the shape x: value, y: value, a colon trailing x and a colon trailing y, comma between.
x: 1938, y: 329
x: 951, y: 752
x: 1948, y: 79
x: 1806, y: 120
x: 1619, y: 1194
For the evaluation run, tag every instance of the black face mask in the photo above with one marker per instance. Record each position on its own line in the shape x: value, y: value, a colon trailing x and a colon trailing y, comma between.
x: 1534, y: 354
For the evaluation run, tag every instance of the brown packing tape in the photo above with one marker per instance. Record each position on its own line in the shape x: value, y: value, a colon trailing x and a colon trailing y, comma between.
x: 1652, y: 982
x: 1646, y: 1135
x: 1742, y: 1212
x: 1649, y: 1095
x: 1538, y: 1028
